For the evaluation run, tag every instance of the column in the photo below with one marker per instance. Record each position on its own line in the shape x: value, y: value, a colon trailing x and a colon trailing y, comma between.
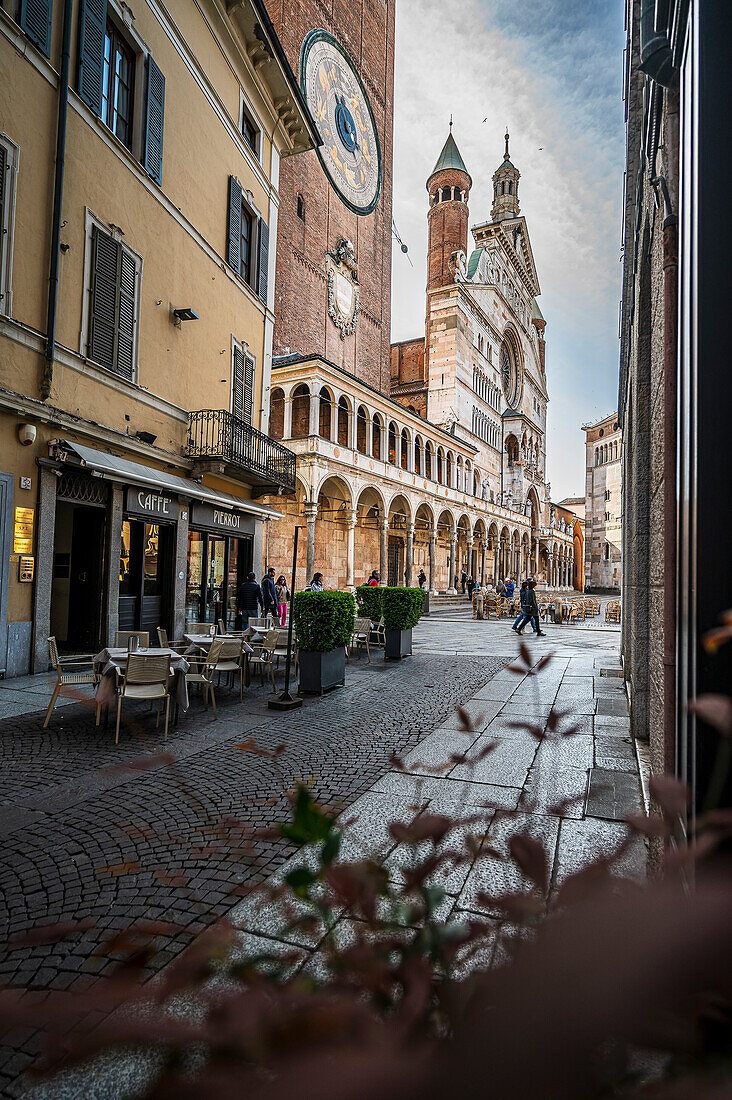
x: 451, y: 585
x: 113, y: 548
x: 482, y: 562
x: 179, y: 577
x: 433, y: 545
x: 46, y: 513
x: 311, y: 511
x: 383, y: 532
x: 287, y: 419
x: 410, y: 554
x: 315, y: 414
x: 351, y: 519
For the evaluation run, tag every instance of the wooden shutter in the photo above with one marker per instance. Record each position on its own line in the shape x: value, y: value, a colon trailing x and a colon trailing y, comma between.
x: 92, y: 30
x: 125, y: 360
x: 3, y: 185
x: 233, y: 238
x: 237, y: 383
x: 263, y: 260
x: 104, y: 298
x: 154, y: 110
x: 248, y: 389
x: 35, y: 19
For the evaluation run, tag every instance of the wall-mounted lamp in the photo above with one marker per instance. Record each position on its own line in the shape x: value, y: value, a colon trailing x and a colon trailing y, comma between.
x: 184, y: 314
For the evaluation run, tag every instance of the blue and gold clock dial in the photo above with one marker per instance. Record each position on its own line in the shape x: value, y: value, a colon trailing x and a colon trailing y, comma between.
x: 350, y: 153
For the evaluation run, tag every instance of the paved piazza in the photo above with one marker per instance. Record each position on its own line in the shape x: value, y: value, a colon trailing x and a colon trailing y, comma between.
x: 85, y: 837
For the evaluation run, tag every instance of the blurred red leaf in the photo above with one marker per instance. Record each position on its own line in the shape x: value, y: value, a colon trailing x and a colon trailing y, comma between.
x: 131, y: 867
x: 489, y: 748
x: 716, y: 710
x: 142, y: 763
x: 396, y: 762
x: 525, y: 654
x: 648, y: 825
x: 51, y: 933
x: 530, y: 855
x: 670, y: 793
x: 543, y: 662
x: 426, y: 827
x: 466, y: 722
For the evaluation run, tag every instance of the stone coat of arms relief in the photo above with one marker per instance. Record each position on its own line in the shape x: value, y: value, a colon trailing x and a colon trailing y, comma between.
x: 344, y: 289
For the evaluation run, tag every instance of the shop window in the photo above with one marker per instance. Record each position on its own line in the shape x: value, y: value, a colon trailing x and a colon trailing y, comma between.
x: 113, y: 303
x: 8, y: 176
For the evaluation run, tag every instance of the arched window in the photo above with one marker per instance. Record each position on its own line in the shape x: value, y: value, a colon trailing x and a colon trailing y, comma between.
x: 277, y: 414
x: 439, y: 465
x: 300, y: 412
x: 324, y: 414
x: 417, y: 455
x: 448, y: 470
x: 343, y: 422
x: 428, y: 459
x: 362, y: 428
x: 301, y: 208
x: 405, y: 450
x: 376, y: 436
x: 392, y: 448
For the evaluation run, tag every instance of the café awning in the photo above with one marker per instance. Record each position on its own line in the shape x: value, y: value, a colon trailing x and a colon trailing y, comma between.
x: 126, y: 472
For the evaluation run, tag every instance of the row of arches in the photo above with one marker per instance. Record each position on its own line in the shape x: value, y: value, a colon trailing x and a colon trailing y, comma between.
x: 449, y: 194
x: 607, y: 452
x: 486, y: 428
x: 486, y: 389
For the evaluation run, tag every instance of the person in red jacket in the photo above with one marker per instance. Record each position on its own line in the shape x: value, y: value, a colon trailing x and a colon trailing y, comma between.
x: 373, y: 581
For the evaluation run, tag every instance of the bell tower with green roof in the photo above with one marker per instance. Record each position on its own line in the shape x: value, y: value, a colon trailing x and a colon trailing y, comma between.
x: 505, y: 189
x: 448, y: 187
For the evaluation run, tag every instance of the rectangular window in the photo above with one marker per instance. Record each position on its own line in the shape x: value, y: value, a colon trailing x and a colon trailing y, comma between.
x: 247, y: 241
x: 113, y: 304
x: 34, y: 17
x: 250, y: 130
x: 246, y: 245
x: 8, y: 175
x: 118, y: 82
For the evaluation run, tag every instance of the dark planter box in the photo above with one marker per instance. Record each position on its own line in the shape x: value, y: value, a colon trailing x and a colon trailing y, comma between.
x: 398, y: 644
x: 320, y: 672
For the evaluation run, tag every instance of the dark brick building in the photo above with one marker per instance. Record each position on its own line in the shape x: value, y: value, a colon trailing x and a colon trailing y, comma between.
x: 313, y: 218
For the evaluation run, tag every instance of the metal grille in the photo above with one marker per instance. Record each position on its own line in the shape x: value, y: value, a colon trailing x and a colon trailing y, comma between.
x: 82, y: 490
x: 215, y: 433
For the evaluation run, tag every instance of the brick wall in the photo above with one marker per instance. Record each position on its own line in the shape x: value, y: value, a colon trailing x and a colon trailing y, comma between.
x: 366, y: 30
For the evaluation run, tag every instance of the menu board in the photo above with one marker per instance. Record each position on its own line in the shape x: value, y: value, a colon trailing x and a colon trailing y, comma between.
x: 23, y: 531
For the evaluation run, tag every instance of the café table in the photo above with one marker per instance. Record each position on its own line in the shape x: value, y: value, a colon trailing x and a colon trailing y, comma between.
x: 113, y: 659
x: 203, y: 642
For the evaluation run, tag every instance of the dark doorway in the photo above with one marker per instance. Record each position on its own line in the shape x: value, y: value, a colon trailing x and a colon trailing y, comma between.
x: 217, y: 565
x: 145, y: 573
x: 394, y: 563
x: 85, y: 579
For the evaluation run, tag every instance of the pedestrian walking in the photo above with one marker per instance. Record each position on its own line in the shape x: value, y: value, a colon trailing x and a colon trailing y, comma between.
x: 531, y: 612
x: 283, y: 595
x: 422, y: 578
x: 522, y: 600
x: 249, y: 599
x: 471, y: 586
x: 316, y: 584
x: 510, y: 588
x: 269, y: 592
x: 463, y: 580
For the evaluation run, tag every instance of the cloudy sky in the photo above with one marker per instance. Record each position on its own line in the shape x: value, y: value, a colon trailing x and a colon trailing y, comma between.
x: 551, y: 70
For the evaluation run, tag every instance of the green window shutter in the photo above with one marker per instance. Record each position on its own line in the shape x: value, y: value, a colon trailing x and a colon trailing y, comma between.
x: 35, y: 19
x: 237, y: 385
x: 106, y: 254
x: 248, y: 389
x: 125, y: 362
x: 263, y: 260
x: 233, y: 237
x: 154, y: 110
x: 92, y: 30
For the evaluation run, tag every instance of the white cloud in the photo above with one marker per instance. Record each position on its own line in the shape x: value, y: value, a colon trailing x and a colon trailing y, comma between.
x: 552, y: 73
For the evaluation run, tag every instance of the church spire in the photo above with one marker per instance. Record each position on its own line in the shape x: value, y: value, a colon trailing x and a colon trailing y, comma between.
x: 505, y: 188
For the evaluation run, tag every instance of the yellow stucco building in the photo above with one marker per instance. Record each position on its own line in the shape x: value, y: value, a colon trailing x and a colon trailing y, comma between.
x: 139, y: 164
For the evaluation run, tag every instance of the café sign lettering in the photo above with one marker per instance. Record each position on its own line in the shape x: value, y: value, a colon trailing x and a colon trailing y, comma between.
x: 147, y: 502
x: 221, y: 519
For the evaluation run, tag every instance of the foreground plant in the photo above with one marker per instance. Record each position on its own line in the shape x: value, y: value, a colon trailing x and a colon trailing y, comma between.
x: 599, y: 987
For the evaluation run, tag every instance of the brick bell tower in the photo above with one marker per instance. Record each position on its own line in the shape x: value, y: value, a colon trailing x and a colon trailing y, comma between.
x: 447, y: 220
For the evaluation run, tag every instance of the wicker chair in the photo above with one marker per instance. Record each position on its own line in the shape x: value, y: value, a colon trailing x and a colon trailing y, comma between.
x: 146, y: 676
x: 231, y: 660
x: 263, y: 655
x: 360, y: 637
x: 198, y: 628
x: 70, y: 672
x: 201, y: 671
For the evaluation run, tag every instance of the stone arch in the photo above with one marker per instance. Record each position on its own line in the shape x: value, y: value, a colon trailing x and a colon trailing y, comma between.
x: 334, y: 499
x: 418, y: 454
x: 392, y: 443
x: 377, y: 428
x: 400, y: 509
x: 440, y: 466
x: 344, y: 417
x: 532, y: 500
x: 277, y: 413
x: 449, y: 469
x: 512, y: 448
x: 335, y: 487
x: 404, y: 449
x: 326, y: 401
x: 371, y: 498
x: 476, y: 483
x: 459, y: 482
x: 300, y: 412
x: 428, y: 461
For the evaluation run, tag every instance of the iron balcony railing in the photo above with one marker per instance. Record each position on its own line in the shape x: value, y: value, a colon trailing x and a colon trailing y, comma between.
x: 218, y: 434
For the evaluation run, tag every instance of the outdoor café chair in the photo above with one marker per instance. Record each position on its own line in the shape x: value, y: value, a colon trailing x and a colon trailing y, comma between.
x: 146, y: 676
x: 360, y: 637
x: 198, y: 628
x: 71, y: 672
x: 263, y: 655
x: 202, y: 671
x: 164, y: 642
x: 122, y: 638
x: 231, y: 660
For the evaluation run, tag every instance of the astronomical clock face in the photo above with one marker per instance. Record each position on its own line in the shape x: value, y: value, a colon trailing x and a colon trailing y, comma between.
x: 350, y: 152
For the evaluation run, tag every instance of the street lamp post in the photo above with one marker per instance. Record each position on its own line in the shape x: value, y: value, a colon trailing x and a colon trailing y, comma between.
x: 285, y: 701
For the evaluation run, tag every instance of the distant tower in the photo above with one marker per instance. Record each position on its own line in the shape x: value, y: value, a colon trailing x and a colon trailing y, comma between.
x: 447, y: 220
x: 505, y: 190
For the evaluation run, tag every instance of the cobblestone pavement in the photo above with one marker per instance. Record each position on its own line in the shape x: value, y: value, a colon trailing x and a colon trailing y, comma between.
x: 86, y: 838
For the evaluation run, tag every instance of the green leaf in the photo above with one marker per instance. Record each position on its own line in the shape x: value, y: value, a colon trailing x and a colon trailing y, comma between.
x: 330, y: 848
x: 433, y: 895
x: 299, y: 878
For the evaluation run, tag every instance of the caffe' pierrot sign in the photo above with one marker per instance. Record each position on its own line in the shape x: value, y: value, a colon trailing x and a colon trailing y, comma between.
x: 152, y: 504
x: 221, y: 519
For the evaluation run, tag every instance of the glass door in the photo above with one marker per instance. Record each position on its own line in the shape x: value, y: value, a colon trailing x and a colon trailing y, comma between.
x: 215, y: 579
x: 196, y: 572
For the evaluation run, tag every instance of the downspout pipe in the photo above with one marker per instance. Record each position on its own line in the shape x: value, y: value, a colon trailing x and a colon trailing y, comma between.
x: 656, y: 58
x: 58, y: 192
x: 670, y: 343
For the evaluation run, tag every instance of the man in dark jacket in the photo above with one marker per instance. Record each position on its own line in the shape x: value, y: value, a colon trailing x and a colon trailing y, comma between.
x: 249, y: 598
x: 269, y: 592
x: 531, y: 611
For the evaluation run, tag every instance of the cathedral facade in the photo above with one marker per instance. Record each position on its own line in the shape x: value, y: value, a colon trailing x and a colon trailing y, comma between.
x: 423, y: 455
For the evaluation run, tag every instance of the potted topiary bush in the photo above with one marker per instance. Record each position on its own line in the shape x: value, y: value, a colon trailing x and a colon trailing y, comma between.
x: 369, y: 603
x: 324, y: 626
x: 401, y: 608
